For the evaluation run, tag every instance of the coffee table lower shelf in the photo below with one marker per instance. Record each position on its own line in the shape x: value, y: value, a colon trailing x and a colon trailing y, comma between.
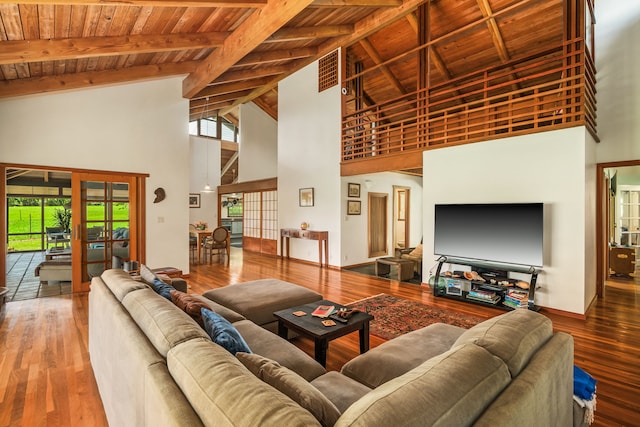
x: 312, y: 327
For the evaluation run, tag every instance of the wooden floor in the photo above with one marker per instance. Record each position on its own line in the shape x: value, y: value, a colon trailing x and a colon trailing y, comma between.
x: 46, y: 376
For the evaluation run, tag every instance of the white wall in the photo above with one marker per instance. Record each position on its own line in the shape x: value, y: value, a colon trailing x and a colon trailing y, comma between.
x: 555, y: 168
x: 258, y: 151
x: 199, y: 149
x: 141, y: 127
x: 309, y: 156
x: 617, y: 54
x: 354, y: 227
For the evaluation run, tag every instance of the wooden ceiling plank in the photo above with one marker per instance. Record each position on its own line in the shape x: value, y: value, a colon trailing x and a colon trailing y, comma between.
x: 250, y: 34
x: 271, y: 70
x: 256, y: 58
x: 362, y: 29
x: 22, y: 51
x: 375, y: 56
x: 356, y: 3
x: 152, y: 3
x: 32, y: 86
x: 304, y: 33
x: 217, y: 99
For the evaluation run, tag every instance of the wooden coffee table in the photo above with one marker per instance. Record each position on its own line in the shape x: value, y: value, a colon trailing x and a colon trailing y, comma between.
x: 312, y: 327
x: 52, y: 253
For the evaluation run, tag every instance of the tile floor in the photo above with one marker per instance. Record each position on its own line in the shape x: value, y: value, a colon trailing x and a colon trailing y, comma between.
x: 22, y: 282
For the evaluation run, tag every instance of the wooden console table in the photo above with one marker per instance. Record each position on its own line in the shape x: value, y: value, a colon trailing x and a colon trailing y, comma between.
x: 321, y: 236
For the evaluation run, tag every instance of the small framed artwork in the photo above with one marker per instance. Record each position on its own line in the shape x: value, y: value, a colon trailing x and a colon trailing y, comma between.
x: 306, y: 197
x: 353, y: 207
x: 353, y: 190
x: 194, y: 200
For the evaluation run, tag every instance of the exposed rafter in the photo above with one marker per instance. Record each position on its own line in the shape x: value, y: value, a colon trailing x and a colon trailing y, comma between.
x: 251, y: 33
x: 158, y: 3
x: 375, y: 56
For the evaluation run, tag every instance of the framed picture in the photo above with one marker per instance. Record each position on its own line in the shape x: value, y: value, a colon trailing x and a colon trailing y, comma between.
x: 194, y: 200
x: 353, y: 207
x: 353, y: 190
x: 306, y: 197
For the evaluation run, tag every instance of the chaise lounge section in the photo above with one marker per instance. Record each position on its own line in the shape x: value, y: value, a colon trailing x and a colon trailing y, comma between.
x: 154, y: 365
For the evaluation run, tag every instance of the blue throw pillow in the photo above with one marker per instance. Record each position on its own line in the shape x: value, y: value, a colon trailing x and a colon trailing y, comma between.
x: 223, y: 333
x: 162, y: 288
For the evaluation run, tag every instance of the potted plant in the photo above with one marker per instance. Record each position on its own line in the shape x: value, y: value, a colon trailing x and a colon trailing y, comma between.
x: 62, y: 219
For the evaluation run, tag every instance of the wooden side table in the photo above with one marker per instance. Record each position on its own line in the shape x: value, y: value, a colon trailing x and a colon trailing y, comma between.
x: 321, y: 236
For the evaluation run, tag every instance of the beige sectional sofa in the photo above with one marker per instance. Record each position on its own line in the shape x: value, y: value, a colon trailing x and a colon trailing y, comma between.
x: 155, y: 366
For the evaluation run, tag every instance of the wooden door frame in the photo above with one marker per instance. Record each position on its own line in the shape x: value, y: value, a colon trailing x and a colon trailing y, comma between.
x: 370, y: 196
x: 140, y: 200
x: 407, y: 213
x: 601, y: 235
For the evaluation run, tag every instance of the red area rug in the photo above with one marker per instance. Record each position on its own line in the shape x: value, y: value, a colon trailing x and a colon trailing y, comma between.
x: 395, y: 316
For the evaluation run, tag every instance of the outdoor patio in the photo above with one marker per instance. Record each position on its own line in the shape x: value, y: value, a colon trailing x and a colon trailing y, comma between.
x: 22, y: 282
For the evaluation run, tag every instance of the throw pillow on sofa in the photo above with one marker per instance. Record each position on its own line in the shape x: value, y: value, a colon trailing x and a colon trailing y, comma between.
x: 162, y: 288
x: 189, y: 304
x: 223, y: 333
x: 292, y: 385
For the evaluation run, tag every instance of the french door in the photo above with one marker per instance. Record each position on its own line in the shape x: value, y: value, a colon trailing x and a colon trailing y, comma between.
x: 107, y: 223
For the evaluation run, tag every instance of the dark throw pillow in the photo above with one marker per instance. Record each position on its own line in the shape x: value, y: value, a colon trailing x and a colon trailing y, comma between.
x: 189, y: 304
x: 162, y: 288
x: 223, y: 333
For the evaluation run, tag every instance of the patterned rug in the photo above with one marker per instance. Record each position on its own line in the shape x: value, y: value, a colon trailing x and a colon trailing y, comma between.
x: 395, y: 316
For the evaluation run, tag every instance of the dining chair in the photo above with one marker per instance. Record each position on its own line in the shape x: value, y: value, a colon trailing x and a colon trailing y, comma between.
x: 220, y: 239
x: 193, y: 242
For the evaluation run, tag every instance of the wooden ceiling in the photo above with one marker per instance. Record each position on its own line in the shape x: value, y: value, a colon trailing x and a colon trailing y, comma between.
x: 235, y: 51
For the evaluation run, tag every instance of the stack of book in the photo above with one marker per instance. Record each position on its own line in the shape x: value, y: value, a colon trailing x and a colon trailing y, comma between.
x: 516, y: 299
x: 484, y: 296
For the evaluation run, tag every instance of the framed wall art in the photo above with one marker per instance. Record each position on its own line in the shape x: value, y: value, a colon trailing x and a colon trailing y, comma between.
x: 306, y: 197
x: 353, y: 207
x: 353, y: 190
x: 194, y: 200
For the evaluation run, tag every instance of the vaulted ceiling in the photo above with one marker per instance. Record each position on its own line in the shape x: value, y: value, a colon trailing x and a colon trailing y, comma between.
x: 235, y: 51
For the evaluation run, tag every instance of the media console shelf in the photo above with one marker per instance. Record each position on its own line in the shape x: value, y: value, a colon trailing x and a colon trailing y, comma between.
x: 486, y: 283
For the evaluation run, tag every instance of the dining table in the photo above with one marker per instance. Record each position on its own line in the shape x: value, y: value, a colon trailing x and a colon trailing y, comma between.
x: 202, y: 234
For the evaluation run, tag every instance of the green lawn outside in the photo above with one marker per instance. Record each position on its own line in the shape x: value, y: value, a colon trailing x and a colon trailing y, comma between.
x: 27, y: 219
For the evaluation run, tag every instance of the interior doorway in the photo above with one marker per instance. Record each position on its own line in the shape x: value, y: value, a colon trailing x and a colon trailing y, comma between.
x: 401, y: 220
x: 618, y: 224
x: 377, y: 208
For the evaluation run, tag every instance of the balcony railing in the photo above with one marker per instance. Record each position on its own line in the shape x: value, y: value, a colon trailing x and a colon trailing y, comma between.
x: 549, y: 90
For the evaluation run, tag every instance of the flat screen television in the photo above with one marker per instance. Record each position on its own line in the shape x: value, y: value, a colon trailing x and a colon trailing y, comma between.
x: 509, y: 233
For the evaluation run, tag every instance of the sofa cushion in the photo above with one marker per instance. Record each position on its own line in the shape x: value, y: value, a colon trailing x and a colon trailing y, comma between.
x: 270, y: 345
x: 340, y: 389
x: 120, y: 283
x: 163, y: 289
x: 401, y: 354
x: 292, y: 385
x: 257, y: 300
x: 223, y: 333
x: 224, y: 393
x: 164, y: 324
x: 514, y: 336
x: 452, y: 389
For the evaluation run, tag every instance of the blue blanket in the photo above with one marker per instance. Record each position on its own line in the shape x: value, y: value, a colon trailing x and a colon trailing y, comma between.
x: 584, y: 385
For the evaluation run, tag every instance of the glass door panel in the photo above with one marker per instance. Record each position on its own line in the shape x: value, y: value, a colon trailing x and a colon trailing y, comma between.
x: 106, y: 224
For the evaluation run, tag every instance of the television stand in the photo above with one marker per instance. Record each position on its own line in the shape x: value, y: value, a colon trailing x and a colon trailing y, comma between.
x: 486, y: 283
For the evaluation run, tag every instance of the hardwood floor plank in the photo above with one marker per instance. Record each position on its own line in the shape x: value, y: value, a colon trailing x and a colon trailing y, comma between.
x: 46, y: 376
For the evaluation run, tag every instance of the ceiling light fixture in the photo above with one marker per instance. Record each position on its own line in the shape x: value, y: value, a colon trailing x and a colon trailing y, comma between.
x: 207, y: 187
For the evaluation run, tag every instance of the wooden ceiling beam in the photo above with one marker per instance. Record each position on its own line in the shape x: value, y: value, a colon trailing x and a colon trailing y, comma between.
x: 219, y: 89
x: 22, y: 51
x: 375, y: 56
x: 213, y: 100
x: 152, y: 3
x: 256, y: 58
x: 364, y: 28
x: 496, y: 35
x: 266, y: 108
x: 304, y: 33
x: 250, y: 34
x: 271, y: 70
x: 34, y: 85
x: 355, y: 3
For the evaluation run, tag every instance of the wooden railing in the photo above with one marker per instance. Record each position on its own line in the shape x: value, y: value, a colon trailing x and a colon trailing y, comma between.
x: 551, y: 89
